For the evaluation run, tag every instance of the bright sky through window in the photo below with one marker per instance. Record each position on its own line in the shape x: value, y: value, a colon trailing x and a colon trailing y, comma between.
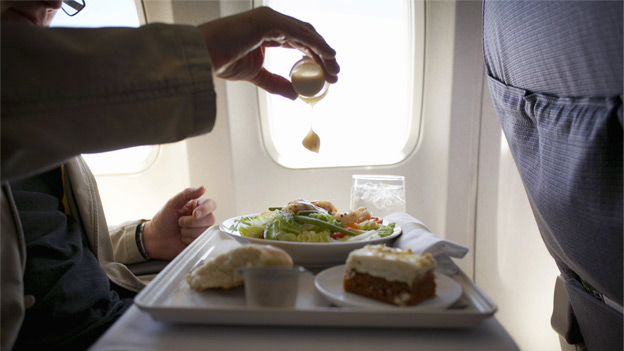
x: 101, y: 13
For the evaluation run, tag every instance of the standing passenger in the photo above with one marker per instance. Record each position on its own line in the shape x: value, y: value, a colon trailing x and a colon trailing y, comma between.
x: 555, y: 77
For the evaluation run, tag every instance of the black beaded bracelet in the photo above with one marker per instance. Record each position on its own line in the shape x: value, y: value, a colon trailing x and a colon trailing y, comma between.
x: 138, y: 237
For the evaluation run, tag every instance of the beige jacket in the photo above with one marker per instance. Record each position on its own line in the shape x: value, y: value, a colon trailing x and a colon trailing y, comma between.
x: 71, y: 91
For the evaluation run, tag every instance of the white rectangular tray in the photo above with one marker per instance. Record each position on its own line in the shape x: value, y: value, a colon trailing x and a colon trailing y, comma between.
x: 168, y: 298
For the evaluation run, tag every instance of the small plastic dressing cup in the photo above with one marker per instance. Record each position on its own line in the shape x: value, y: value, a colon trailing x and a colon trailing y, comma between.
x: 271, y: 286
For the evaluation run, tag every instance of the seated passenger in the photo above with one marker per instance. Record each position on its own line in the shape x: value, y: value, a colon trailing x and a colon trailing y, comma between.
x: 72, y: 91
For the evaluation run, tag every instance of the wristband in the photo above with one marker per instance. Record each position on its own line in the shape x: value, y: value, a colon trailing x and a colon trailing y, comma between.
x: 139, y: 239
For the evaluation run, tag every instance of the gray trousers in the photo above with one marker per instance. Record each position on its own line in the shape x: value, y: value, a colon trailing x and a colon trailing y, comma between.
x: 555, y: 78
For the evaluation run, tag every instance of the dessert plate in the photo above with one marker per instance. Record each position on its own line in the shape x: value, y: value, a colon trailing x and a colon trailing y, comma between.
x: 330, y: 284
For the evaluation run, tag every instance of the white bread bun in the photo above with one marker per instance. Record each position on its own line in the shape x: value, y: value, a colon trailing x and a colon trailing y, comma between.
x: 222, y: 271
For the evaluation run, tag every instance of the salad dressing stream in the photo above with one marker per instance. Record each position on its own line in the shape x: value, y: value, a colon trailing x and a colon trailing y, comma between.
x: 309, y: 82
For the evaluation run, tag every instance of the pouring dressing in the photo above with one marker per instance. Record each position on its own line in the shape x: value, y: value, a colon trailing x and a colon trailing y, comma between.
x: 309, y: 82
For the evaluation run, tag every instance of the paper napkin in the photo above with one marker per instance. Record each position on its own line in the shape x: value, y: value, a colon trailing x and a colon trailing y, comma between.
x: 418, y: 238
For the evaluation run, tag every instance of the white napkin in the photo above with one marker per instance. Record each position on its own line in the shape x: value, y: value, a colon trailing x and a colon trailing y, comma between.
x: 418, y: 238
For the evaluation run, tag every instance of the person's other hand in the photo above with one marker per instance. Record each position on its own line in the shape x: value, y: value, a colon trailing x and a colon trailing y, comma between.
x: 183, y: 218
x: 236, y: 46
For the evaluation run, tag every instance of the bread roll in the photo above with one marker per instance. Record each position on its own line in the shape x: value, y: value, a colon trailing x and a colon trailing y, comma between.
x: 222, y: 271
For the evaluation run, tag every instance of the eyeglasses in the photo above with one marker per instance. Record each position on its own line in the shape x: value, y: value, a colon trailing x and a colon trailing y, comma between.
x: 72, y: 7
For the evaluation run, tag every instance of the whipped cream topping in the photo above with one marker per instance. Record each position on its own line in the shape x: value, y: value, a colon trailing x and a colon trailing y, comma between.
x: 392, y: 264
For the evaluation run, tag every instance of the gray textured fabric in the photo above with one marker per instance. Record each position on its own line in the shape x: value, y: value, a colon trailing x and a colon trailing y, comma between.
x: 564, y: 48
x: 555, y: 77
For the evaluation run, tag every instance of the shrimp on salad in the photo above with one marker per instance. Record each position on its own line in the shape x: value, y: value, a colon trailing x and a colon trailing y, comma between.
x: 352, y: 217
x: 313, y: 221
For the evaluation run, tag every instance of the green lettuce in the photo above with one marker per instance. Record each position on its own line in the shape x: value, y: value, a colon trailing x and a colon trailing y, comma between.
x: 281, y: 225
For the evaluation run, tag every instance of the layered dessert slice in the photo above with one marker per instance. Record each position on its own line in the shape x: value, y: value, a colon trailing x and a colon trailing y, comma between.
x: 392, y: 275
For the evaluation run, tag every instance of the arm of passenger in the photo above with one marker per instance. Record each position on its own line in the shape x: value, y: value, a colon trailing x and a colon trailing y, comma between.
x: 67, y: 91
x: 177, y: 224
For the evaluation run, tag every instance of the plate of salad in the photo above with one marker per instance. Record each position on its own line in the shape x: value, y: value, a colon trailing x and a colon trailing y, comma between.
x: 314, y: 233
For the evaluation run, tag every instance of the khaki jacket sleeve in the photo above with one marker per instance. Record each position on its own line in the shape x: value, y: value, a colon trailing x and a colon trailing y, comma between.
x: 67, y: 91
x: 124, y: 243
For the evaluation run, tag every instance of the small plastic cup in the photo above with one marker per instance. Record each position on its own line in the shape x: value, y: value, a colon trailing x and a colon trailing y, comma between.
x: 308, y: 80
x: 271, y: 286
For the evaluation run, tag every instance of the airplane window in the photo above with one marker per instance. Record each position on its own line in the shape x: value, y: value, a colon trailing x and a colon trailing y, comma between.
x: 371, y: 116
x: 124, y: 161
x: 109, y: 13
x: 118, y: 13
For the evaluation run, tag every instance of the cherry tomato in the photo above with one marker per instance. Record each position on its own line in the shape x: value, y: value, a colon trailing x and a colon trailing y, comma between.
x: 377, y: 220
x: 337, y: 235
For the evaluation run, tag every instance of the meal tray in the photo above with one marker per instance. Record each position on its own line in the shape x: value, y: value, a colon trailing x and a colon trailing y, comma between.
x: 168, y: 298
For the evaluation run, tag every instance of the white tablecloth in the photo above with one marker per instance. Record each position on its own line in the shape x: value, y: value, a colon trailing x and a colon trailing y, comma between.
x: 137, y: 331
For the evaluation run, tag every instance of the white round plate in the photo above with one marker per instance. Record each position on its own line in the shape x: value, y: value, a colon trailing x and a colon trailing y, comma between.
x: 309, y: 254
x: 330, y: 284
